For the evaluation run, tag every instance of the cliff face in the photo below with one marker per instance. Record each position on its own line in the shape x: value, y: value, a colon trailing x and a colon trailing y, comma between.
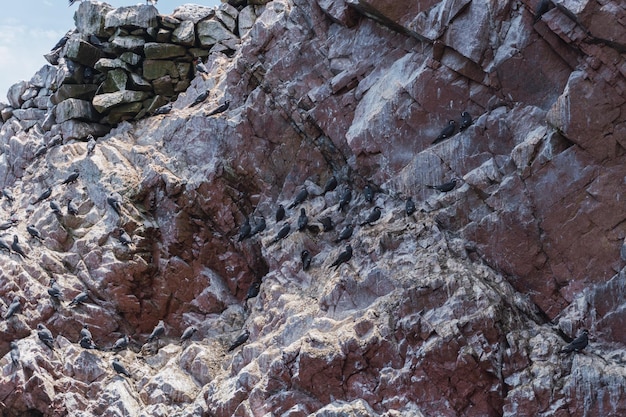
x: 460, y: 309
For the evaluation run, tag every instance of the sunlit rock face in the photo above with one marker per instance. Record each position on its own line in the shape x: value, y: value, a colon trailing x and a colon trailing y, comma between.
x: 459, y: 309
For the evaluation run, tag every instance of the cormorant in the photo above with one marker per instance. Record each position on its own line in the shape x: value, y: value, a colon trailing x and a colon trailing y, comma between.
x: 87, y: 343
x: 305, y: 256
x: 577, y: 344
x: 200, y: 98
x: 345, y: 198
x: 17, y: 247
x: 72, y: 208
x: 121, y: 343
x: 447, y: 132
x: 466, y: 121
x: 158, y: 331
x: 240, y: 340
x: 220, y: 109
x: 327, y: 222
x: 13, y: 308
x: 32, y: 230
x: 54, y: 291
x: 115, y: 201
x: 72, y: 177
x: 8, y: 194
x: 164, y: 109
x: 368, y: 193
x: 303, y: 220
x: 282, y: 233
x: 200, y: 66
x: 91, y: 144
x: 245, y: 230
x: 15, y: 354
x: 253, y: 289
x: 444, y: 188
x: 280, y: 213
x: 343, y: 257
x: 79, y: 299
x: 259, y: 227
x: 47, y: 193
x: 45, y: 336
x: 119, y: 368
x: 124, y: 237
x: 188, y: 333
x: 84, y: 332
x: 300, y: 197
x: 345, y: 233
x: 409, y: 206
x: 56, y: 208
x: 331, y: 184
x: 373, y: 216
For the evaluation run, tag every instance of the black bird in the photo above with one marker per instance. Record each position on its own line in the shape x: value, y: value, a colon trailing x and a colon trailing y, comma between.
x: 119, y: 368
x: 87, y: 343
x: 577, y: 344
x: 124, y: 237
x: 56, y: 208
x: 72, y: 208
x: 253, y: 290
x: 158, y: 331
x: 47, y: 193
x: 91, y: 144
x: 330, y: 185
x: 466, y: 121
x: 200, y: 67
x: 245, y: 230
x: 56, y: 140
x: 15, y: 354
x: 165, y: 109
x: 240, y: 340
x: 280, y: 213
x: 368, y: 193
x: 201, y: 97
x: 8, y: 224
x: 8, y: 194
x: 345, y: 233
x: 220, y: 109
x: 41, y: 151
x: 5, y: 246
x: 282, y: 233
x: 72, y: 177
x: 343, y: 257
x: 374, y: 215
x: 327, y: 222
x: 45, y: 336
x: 541, y: 9
x: 300, y: 197
x: 188, y: 333
x: 79, y: 299
x: 444, y: 188
x: 71, y: 4
x: 303, y: 220
x: 115, y: 201
x: 54, y: 291
x: 259, y: 227
x: 32, y: 230
x: 85, y: 333
x: 409, y: 206
x: 121, y: 343
x: 13, y: 308
x: 345, y: 198
x: 305, y: 256
x: 447, y: 132
x: 17, y: 247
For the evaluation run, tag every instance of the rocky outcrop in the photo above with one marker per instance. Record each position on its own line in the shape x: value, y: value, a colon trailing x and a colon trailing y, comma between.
x: 460, y: 309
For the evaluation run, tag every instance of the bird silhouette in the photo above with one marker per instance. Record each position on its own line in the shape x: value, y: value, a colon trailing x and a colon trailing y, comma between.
x: 280, y: 213
x: 282, y: 233
x: 303, y: 220
x: 188, y: 333
x: 305, y: 257
x: 300, y: 197
x: 159, y: 330
x: 220, y: 109
x: 239, y: 341
x: 72, y: 177
x: 13, y: 308
x: 345, y: 233
x: 45, y: 336
x: 47, y: 193
x: 331, y: 184
x: 373, y: 216
x: 446, y: 187
x: 79, y: 299
x: 119, y: 368
x: 200, y: 98
x: 245, y: 230
x: 345, y: 198
x: 343, y: 257
x: 466, y: 121
x: 446, y: 132
x: 577, y: 344
x: 17, y: 248
x: 409, y: 206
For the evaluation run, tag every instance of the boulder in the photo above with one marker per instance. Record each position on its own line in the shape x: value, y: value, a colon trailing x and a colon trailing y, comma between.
x: 44, y: 77
x: 90, y: 18
x: 185, y: 34
x: 227, y: 14
x: 154, y: 50
x: 14, y: 95
x: 193, y: 12
x: 132, y: 17
x: 76, y: 129
x: 82, y: 52
x: 211, y: 32
x: 73, y: 108
x: 104, y: 102
x: 116, y: 80
x: 153, y: 69
x: 80, y: 91
x: 128, y: 43
x: 29, y: 114
x: 247, y: 17
x: 131, y: 58
x: 107, y: 64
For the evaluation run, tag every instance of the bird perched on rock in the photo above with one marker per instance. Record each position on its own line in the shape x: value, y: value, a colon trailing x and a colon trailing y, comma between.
x: 368, y: 193
x: 32, y: 230
x: 87, y: 343
x: 282, y: 233
x: 79, y: 299
x: 446, y: 132
x: 115, y: 200
x: 345, y: 198
x: 8, y: 194
x: 331, y: 184
x: 45, y: 335
x: 159, y: 330
x: 72, y: 208
x: 303, y: 220
x: 220, y: 109
x: 409, y: 206
x: 300, y: 197
x: 245, y: 230
x: 8, y: 224
x: 41, y: 151
x: 56, y: 208
x: 345, y: 233
x: 17, y: 248
x: 327, y: 223
x: 200, y: 66
x: 373, y: 216
x: 15, y: 354
x: 188, y: 333
x: 84, y: 332
x: 200, y: 98
x: 124, y: 237
x: 466, y: 121
x: 72, y: 177
x: 5, y: 246
x: 259, y: 227
x: 91, y: 144
x: 166, y: 108
x: 305, y: 257
x: 240, y: 340
x: 444, y: 188
x: 47, y: 193
x: 13, y: 308
x: 253, y: 289
x: 119, y: 368
x: 121, y: 343
x: 54, y: 291
x: 577, y: 344
x: 280, y: 213
x: 343, y: 257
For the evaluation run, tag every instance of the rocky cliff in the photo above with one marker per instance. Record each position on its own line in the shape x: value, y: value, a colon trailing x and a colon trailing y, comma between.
x: 461, y: 308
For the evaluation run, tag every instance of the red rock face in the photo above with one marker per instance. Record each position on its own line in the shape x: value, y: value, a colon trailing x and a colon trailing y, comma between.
x: 460, y: 309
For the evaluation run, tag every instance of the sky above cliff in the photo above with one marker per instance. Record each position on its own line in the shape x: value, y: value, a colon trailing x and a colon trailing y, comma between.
x: 29, y: 28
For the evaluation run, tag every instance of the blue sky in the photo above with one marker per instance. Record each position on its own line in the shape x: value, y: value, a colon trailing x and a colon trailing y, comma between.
x: 29, y: 28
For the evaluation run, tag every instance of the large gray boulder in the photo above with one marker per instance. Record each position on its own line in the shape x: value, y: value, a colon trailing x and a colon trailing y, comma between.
x: 104, y: 102
x: 132, y: 17
x: 185, y: 33
x: 14, y: 95
x: 211, y: 32
x: 90, y: 16
x: 82, y: 52
x: 193, y: 12
x: 73, y: 108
